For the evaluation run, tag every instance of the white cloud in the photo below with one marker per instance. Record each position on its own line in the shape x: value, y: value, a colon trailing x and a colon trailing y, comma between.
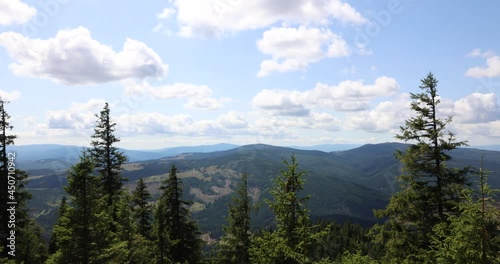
x: 492, y: 68
x: 295, y: 48
x: 233, y: 120
x: 281, y: 102
x: 179, y: 125
x: 387, y: 116
x: 78, y: 116
x: 166, y: 13
x: 10, y: 96
x: 199, y: 96
x: 15, y: 12
x: 216, y: 17
x: 72, y: 57
x: 346, y: 96
x: 477, y: 108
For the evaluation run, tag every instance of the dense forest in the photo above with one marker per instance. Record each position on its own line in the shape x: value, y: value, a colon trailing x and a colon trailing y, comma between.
x: 440, y: 214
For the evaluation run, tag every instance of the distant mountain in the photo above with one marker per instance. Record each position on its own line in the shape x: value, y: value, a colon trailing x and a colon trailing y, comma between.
x: 342, y: 185
x: 328, y: 147
x: 70, y: 154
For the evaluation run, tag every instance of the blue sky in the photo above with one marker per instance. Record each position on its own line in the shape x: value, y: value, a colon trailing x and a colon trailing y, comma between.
x: 282, y: 72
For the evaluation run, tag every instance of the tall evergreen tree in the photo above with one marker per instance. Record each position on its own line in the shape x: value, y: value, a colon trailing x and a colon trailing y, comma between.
x: 5, y: 140
x: 178, y: 236
x: 108, y: 159
x: 82, y: 232
x: 288, y: 206
x: 430, y: 189
x: 472, y: 235
x: 235, y: 244
x: 142, y: 209
x: 291, y: 242
x: 63, y: 207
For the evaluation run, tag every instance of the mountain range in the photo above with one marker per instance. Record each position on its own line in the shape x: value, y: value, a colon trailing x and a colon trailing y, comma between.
x: 342, y: 185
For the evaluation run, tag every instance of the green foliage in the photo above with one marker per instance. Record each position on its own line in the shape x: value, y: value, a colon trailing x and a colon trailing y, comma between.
x: 471, y: 236
x: 234, y: 245
x: 107, y: 158
x: 357, y: 258
x: 82, y: 235
x: 430, y: 190
x: 288, y: 207
x: 142, y: 209
x: 5, y: 140
x: 177, y: 236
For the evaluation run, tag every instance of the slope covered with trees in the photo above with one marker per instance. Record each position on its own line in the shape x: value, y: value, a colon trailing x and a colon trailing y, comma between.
x: 443, y: 210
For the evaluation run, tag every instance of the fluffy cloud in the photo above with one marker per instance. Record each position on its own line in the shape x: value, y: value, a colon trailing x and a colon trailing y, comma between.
x: 492, y: 68
x: 346, y: 96
x: 387, y: 116
x: 15, y: 12
x: 199, y: 96
x: 78, y: 116
x: 72, y: 57
x: 352, y: 95
x: 477, y: 108
x: 295, y: 48
x: 216, y: 17
x: 180, y: 125
x: 281, y: 102
x: 10, y: 96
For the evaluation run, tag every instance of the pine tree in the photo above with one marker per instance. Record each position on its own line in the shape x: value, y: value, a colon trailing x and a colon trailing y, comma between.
x: 30, y: 246
x: 142, y: 209
x: 287, y: 206
x: 63, y: 207
x: 5, y: 140
x: 178, y: 236
x: 108, y: 159
x: 430, y: 190
x: 470, y: 236
x: 82, y: 233
x: 291, y: 242
x: 235, y: 244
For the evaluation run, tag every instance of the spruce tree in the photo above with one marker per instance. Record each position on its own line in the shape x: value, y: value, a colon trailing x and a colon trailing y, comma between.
x: 142, y: 209
x: 470, y: 236
x: 292, y: 240
x: 63, y: 207
x: 234, y: 245
x: 5, y: 140
x: 108, y: 159
x: 178, y: 236
x: 429, y: 189
x: 288, y: 206
x: 82, y: 233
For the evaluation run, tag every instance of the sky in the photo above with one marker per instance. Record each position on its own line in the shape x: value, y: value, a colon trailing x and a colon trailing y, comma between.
x: 281, y: 72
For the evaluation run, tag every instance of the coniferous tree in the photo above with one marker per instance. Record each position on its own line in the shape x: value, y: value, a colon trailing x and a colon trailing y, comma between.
x: 472, y: 235
x: 29, y: 245
x: 430, y: 190
x: 178, y: 236
x: 142, y: 209
x: 63, y: 207
x: 235, y: 244
x: 108, y: 159
x: 82, y: 233
x: 287, y: 206
x: 292, y: 241
x: 5, y: 140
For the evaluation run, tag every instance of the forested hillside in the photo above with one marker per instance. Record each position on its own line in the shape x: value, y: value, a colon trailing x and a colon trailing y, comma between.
x: 427, y: 200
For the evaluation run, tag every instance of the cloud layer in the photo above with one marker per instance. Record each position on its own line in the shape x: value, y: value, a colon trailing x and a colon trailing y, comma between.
x: 15, y: 12
x: 198, y: 96
x: 217, y: 17
x: 295, y: 48
x: 72, y: 57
